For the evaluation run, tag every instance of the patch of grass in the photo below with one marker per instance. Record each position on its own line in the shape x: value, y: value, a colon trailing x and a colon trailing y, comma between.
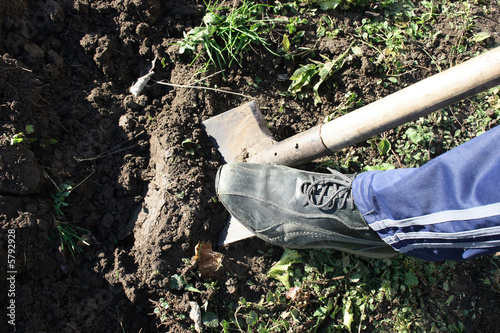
x: 417, y: 142
x: 67, y: 233
x: 69, y: 236
x: 333, y: 292
x: 226, y: 33
x: 447, y: 129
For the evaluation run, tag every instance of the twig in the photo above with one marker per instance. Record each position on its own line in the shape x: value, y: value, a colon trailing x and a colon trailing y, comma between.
x: 80, y: 183
x: 205, y: 88
x: 397, y: 157
x: 430, y: 56
x: 456, y: 119
x: 112, y: 151
x: 74, y: 187
x: 105, y: 154
x: 205, y: 78
x: 53, y: 182
x: 67, y: 324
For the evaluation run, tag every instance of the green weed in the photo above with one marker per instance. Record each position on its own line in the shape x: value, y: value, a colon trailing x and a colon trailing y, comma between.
x: 161, y: 308
x: 327, y: 28
x: 381, y: 167
x: 28, y: 137
x: 178, y: 282
x: 315, y: 73
x: 416, y: 144
x: 226, y: 33
x: 67, y: 233
x: 190, y: 146
x: 17, y: 138
x: 21, y: 136
x: 70, y: 238
x: 337, y: 292
x: 281, y: 270
x: 59, y: 199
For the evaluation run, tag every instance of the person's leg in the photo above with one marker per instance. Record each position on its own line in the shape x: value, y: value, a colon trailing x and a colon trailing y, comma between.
x: 448, y: 209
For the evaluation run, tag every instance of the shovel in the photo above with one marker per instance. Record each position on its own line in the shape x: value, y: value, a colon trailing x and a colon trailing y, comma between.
x: 241, y: 134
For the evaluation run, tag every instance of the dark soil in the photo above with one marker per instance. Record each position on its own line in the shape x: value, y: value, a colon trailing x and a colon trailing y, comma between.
x: 65, y: 68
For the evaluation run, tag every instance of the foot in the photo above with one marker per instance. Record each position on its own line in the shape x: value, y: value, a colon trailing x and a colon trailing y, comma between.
x: 298, y: 209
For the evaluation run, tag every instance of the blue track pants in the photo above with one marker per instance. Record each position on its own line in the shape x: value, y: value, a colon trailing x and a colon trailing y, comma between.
x: 448, y: 209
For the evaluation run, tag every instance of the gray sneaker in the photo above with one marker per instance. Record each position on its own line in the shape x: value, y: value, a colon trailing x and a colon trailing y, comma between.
x: 298, y: 209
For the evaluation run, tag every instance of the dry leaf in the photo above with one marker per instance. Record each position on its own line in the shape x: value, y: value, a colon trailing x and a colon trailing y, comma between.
x: 208, y: 260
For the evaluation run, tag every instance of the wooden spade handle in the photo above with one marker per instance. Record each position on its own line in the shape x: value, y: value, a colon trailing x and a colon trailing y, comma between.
x: 434, y: 93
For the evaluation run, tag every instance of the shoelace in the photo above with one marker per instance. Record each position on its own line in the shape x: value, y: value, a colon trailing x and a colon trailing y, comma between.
x: 316, y: 191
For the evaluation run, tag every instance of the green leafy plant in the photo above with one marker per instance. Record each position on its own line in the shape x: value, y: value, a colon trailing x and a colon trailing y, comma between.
x: 225, y: 37
x: 293, y: 24
x: 21, y: 136
x: 327, y: 28
x: 178, y: 282
x: 59, y: 198
x: 190, y: 146
x: 67, y: 233
x: 381, y: 167
x: 315, y: 73
x: 160, y: 310
x: 280, y: 271
x: 210, y: 320
x: 384, y: 146
x: 17, y: 138
x: 165, y: 313
x: 416, y: 146
x: 27, y: 136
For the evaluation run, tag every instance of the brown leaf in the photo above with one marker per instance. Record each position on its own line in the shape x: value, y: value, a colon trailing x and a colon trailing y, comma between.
x: 208, y: 261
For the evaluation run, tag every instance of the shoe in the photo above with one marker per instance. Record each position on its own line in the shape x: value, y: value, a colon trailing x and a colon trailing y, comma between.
x: 298, y: 209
